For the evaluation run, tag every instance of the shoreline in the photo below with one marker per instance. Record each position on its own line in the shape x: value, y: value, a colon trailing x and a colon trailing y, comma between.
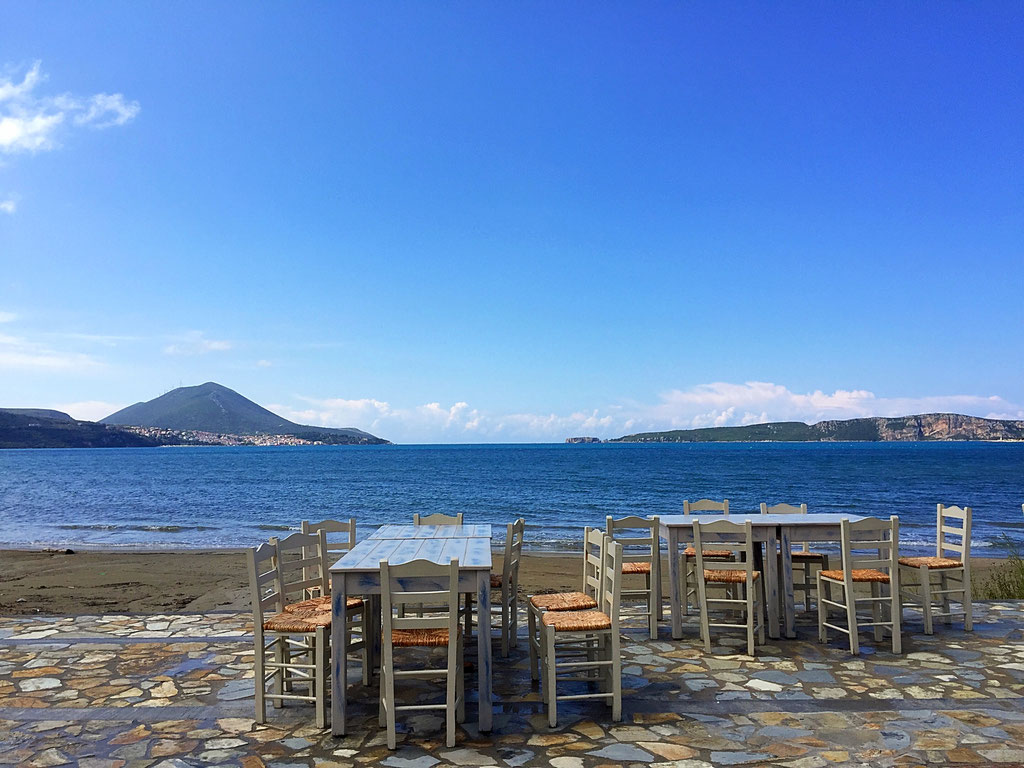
x: 90, y: 582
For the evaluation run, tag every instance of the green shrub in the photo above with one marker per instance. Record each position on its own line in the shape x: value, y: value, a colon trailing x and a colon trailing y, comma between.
x: 1006, y: 581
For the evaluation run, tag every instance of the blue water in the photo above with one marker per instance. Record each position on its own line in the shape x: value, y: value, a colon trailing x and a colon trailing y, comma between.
x: 227, y: 497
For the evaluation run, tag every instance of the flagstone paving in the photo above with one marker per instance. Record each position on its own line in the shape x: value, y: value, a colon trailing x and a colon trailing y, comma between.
x: 176, y: 691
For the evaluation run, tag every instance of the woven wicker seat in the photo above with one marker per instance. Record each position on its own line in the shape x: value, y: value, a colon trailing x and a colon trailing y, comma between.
x: 691, y: 552
x: 799, y: 554
x: 859, y: 575
x: 563, y: 601
x: 287, y: 621
x: 420, y: 638
x: 931, y: 562
x: 630, y: 568
x: 728, y: 577
x: 495, y: 581
x: 577, y: 621
x: 317, y: 604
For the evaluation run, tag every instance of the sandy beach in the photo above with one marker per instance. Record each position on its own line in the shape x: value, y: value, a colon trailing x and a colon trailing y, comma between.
x: 90, y: 582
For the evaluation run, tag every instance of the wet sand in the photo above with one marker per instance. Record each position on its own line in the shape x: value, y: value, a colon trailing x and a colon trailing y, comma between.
x: 90, y: 582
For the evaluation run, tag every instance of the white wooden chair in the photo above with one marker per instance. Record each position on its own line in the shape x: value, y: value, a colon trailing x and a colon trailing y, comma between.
x: 870, y: 552
x: 438, y: 518
x: 340, y: 538
x: 506, y: 607
x: 598, y: 630
x: 953, y: 536
x: 736, y: 572
x: 439, y: 629
x: 291, y: 634
x: 805, y: 562
x: 593, y: 552
x: 704, y: 506
x: 641, y: 546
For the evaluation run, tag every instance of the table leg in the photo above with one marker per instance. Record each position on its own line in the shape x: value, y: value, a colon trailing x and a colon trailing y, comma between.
x: 787, y: 581
x: 483, y: 645
x: 771, y: 586
x: 675, y: 607
x: 339, y: 658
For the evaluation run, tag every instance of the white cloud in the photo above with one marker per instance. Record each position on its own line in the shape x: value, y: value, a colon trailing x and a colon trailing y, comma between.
x: 8, y: 206
x: 18, y: 354
x: 7, y: 317
x: 263, y: 364
x: 707, y: 405
x: 195, y: 343
x: 29, y: 122
x: 89, y: 410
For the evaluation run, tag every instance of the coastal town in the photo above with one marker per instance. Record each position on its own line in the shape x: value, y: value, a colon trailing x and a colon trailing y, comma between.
x: 175, y: 437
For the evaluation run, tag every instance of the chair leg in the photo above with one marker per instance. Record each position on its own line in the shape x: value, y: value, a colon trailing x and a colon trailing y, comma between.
x: 451, y: 691
x: 387, y: 693
x: 944, y: 587
x: 616, y: 672
x: 876, y: 610
x: 896, y: 605
x: 367, y: 643
x: 926, y: 599
x: 685, y: 575
x: 550, y: 691
x: 320, y: 671
x: 822, y: 613
x: 968, y: 599
x: 749, y: 589
x: 484, y: 621
x: 514, y: 619
x: 280, y: 655
x: 534, y: 643
x: 850, y: 599
x: 460, y: 694
x: 260, y: 680
x: 759, y: 608
x: 652, y: 606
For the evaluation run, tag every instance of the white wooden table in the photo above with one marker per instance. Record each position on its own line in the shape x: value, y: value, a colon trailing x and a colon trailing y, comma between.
x: 771, y: 530
x: 358, y: 573
x: 393, y: 531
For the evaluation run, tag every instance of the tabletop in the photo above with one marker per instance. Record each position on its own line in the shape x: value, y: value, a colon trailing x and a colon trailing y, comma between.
x: 402, y: 531
x: 473, y: 553
x: 816, y: 518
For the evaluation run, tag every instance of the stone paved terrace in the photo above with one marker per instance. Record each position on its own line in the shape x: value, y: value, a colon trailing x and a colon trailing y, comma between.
x: 176, y: 691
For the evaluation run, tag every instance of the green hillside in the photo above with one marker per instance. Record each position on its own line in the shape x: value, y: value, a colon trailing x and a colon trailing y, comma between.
x: 928, y: 426
x: 20, y: 431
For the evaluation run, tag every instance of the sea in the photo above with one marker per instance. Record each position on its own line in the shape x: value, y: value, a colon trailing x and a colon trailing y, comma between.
x: 212, y: 497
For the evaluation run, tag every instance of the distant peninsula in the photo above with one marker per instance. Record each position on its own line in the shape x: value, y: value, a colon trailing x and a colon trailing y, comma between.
x: 207, y: 414
x: 927, y: 426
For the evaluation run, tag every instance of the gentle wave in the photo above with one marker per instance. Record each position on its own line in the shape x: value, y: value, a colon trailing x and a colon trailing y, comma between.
x: 152, y: 528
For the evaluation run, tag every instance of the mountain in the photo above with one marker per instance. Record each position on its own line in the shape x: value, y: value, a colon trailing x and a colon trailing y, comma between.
x: 41, y: 413
x: 211, y: 407
x: 927, y: 426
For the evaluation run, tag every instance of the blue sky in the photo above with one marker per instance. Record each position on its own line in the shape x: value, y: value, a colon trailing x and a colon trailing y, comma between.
x: 471, y: 222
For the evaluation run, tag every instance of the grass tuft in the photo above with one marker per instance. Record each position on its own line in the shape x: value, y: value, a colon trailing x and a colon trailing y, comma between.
x: 1006, y: 581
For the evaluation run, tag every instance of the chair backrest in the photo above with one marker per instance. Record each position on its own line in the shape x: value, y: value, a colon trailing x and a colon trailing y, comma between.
x: 737, y: 538
x: 638, y: 536
x: 437, y: 587
x: 514, y: 534
x: 783, y: 509
x: 611, y: 581
x: 302, y: 565
x: 953, y: 523
x: 595, y: 542
x: 706, y: 505
x: 263, y: 591
x: 341, y: 535
x: 871, y: 543
x: 786, y: 509
x: 437, y: 518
